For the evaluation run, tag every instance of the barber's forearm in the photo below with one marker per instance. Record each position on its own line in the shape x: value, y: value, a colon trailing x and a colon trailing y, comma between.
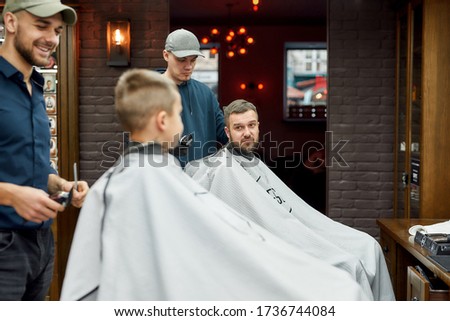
x: 6, y: 191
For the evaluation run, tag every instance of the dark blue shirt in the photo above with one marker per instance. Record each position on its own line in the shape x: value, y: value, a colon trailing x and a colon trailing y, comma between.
x: 201, y: 117
x: 24, y: 139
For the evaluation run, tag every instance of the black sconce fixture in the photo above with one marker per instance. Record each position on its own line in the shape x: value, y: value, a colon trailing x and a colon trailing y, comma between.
x: 118, y: 43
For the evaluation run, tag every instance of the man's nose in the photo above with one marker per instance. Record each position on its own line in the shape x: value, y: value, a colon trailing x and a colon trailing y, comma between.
x: 52, y: 37
x: 188, y: 65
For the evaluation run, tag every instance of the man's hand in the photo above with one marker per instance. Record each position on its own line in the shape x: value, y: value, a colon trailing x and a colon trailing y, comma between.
x: 33, y: 204
x: 56, y: 183
x: 78, y: 194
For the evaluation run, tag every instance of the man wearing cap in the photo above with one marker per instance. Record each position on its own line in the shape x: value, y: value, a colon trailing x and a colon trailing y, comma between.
x: 32, y: 32
x: 201, y: 115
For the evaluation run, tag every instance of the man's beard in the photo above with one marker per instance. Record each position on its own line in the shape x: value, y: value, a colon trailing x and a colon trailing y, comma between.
x: 27, y: 54
x: 246, y: 148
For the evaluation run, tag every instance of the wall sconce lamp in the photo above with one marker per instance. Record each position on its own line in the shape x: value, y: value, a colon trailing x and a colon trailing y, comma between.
x: 251, y: 85
x: 118, y: 43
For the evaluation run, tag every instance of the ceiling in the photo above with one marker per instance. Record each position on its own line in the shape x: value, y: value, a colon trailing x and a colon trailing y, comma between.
x: 217, y: 12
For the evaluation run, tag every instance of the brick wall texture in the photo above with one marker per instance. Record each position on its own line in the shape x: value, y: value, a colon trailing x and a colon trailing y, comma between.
x: 361, y: 118
x: 100, y: 131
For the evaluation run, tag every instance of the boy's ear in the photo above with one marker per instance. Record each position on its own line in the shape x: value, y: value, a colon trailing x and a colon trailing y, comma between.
x: 161, y: 120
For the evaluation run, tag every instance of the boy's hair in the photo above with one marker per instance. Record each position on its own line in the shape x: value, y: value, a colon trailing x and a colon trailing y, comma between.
x: 141, y: 93
x: 237, y: 106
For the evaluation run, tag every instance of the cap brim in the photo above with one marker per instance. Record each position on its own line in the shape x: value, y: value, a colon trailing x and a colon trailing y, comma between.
x: 49, y: 9
x: 186, y: 53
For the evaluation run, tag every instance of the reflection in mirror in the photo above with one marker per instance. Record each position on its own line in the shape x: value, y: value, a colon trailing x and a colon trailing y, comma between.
x: 305, y: 81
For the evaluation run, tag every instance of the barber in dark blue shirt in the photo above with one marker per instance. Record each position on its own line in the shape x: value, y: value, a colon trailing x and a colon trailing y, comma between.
x: 32, y: 28
x: 201, y: 114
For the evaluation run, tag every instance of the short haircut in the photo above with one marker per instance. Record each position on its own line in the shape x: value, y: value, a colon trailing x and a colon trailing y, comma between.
x: 141, y: 93
x: 237, y: 106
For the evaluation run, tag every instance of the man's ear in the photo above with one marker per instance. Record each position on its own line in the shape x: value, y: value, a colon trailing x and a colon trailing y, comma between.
x: 227, y: 131
x: 160, y: 120
x: 10, y: 22
x: 166, y: 55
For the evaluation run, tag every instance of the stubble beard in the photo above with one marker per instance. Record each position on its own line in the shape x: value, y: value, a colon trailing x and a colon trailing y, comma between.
x: 27, y: 54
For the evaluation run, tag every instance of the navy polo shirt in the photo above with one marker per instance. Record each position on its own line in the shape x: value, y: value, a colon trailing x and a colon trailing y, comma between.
x: 24, y: 139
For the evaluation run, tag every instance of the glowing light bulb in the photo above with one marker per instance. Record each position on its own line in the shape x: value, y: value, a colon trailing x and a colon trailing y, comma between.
x: 242, y: 30
x: 117, y: 37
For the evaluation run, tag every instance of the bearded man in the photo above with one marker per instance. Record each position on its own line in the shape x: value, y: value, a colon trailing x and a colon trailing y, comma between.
x: 243, y: 181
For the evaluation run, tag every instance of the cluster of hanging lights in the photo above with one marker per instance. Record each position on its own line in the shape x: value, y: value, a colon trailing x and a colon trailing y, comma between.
x: 237, y: 40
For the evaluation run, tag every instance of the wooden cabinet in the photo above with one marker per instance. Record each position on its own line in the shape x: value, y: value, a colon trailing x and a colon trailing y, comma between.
x: 422, y: 143
x: 390, y: 253
x: 420, y: 289
x: 403, y: 255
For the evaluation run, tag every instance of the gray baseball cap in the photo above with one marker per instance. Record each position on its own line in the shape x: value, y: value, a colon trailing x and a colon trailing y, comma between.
x: 183, y: 43
x: 41, y: 8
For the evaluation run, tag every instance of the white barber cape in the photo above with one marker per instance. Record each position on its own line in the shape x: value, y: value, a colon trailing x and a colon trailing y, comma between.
x: 164, y: 237
x: 248, y: 185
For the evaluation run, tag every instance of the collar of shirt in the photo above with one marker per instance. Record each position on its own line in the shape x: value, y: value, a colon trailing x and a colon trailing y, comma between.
x: 12, y: 72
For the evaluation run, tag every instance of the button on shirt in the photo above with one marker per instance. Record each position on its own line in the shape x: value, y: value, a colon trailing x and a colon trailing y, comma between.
x: 24, y: 139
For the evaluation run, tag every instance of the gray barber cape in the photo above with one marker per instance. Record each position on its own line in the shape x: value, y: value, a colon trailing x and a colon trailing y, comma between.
x: 248, y: 185
x: 147, y: 231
